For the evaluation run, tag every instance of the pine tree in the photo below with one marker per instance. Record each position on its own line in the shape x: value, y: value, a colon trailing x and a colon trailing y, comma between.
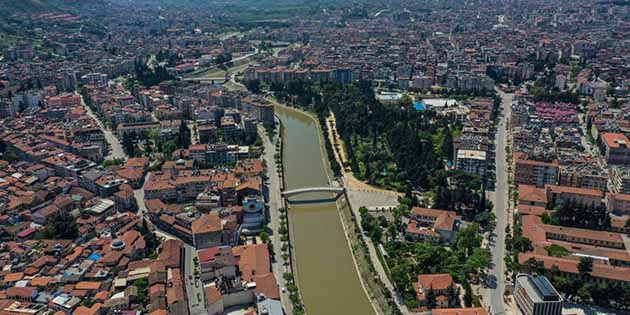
x: 467, y: 295
x: 184, y: 135
x: 128, y: 145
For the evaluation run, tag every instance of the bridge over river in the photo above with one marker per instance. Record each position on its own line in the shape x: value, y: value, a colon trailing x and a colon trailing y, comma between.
x: 304, y: 190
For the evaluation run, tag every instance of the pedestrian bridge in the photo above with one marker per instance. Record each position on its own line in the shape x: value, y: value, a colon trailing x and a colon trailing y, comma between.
x: 289, y: 193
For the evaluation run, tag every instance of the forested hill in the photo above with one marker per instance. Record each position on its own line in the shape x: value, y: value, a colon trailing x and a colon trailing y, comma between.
x: 29, y: 7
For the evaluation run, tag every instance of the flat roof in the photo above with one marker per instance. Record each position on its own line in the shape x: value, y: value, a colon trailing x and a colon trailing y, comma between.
x: 471, y: 154
x: 538, y: 288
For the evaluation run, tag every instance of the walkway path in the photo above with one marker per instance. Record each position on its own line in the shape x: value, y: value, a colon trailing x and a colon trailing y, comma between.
x: 279, y: 266
x: 341, y: 156
x: 367, y: 195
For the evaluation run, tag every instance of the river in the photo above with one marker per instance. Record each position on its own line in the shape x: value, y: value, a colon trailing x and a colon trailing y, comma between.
x: 327, y: 277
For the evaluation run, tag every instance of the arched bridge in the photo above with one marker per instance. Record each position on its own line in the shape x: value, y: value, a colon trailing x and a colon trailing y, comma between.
x: 293, y: 192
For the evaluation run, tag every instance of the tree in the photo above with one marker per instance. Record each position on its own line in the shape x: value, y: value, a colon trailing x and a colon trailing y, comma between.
x: 447, y: 144
x: 468, y: 298
x: 469, y: 238
x: 479, y: 260
x: 253, y: 86
x: 184, y: 135
x: 150, y: 238
x: 10, y: 156
x: 584, y: 294
x: 223, y: 58
x: 61, y: 226
x: 150, y: 77
x: 585, y: 266
x: 430, y: 298
x: 128, y: 145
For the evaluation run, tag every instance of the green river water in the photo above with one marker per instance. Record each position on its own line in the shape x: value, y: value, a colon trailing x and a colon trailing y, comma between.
x: 327, y: 278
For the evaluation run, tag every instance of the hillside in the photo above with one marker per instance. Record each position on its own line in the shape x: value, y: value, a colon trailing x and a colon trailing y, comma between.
x: 10, y: 7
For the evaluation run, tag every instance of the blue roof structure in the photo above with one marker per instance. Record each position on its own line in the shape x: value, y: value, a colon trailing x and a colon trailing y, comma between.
x: 94, y: 256
x: 418, y: 105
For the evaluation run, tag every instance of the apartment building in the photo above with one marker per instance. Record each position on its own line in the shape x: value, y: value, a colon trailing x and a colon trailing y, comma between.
x: 534, y: 295
x: 615, y: 147
x: 620, y: 179
x: 533, y: 172
x: 588, y: 176
x: 618, y: 203
x: 472, y: 162
x: 560, y: 194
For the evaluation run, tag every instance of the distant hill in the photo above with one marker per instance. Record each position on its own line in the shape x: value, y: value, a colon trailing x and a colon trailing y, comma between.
x: 10, y: 7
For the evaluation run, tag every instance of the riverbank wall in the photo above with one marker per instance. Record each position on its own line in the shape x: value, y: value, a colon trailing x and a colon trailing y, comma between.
x: 361, y: 260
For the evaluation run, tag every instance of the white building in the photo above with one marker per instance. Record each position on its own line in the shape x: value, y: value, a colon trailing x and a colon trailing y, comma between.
x: 561, y: 81
x: 472, y: 162
x: 534, y: 295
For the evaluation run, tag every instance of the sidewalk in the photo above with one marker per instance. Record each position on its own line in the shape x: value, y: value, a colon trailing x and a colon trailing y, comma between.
x: 275, y: 202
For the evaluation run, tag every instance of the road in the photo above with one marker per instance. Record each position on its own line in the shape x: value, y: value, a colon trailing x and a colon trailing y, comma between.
x: 201, y: 74
x: 116, y: 149
x: 590, y: 148
x: 194, y: 287
x: 493, y: 294
x: 274, y: 203
x: 138, y: 194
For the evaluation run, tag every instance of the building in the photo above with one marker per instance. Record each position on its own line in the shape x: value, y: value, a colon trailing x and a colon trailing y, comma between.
x: 8, y: 109
x: 460, y: 311
x: 534, y: 295
x: 432, y: 224
x: 615, y: 148
x: 560, y: 194
x: 472, y: 162
x: 620, y: 180
x: 210, y: 230
x: 618, y: 203
x: 253, y: 214
x: 217, y: 262
x: 537, y: 173
x: 532, y: 196
x: 442, y: 286
x: 263, y: 112
x: 583, y: 176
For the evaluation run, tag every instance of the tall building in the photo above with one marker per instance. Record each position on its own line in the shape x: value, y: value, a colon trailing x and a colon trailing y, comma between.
x: 535, y: 295
x: 8, y: 109
x: 616, y: 148
x: 533, y: 172
x: 472, y: 162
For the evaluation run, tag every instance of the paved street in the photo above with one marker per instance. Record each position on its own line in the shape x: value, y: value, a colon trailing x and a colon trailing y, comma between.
x: 274, y: 203
x: 138, y: 194
x: 493, y: 294
x: 116, y: 149
x: 194, y: 287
